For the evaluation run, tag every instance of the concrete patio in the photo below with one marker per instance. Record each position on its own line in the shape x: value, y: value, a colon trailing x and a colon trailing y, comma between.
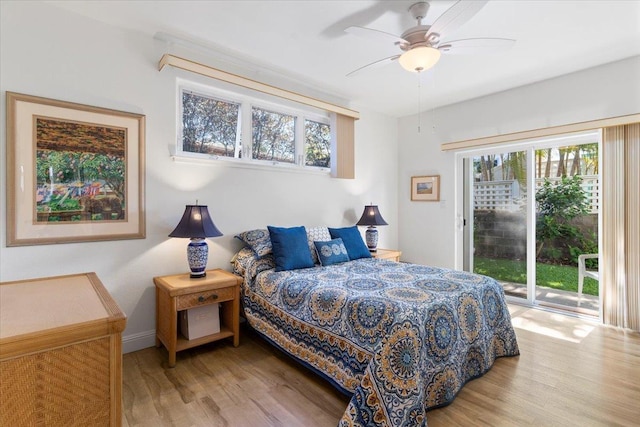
x: 588, y: 304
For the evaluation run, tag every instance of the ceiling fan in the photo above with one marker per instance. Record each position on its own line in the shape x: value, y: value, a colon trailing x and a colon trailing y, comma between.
x: 422, y: 44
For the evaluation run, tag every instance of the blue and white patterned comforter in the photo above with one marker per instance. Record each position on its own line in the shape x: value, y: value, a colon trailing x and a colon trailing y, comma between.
x: 400, y: 338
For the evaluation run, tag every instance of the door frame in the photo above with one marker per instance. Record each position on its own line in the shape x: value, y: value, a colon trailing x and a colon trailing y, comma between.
x: 464, y: 199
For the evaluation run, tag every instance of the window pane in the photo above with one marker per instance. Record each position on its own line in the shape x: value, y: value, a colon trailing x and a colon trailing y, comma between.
x: 500, y: 220
x: 273, y: 136
x: 317, y: 144
x: 566, y: 192
x: 209, y: 125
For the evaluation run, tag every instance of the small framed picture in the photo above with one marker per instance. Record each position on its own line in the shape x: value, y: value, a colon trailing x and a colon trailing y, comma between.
x: 425, y: 188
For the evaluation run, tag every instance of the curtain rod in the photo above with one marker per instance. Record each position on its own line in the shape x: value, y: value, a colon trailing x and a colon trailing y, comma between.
x: 214, y: 73
x: 538, y: 133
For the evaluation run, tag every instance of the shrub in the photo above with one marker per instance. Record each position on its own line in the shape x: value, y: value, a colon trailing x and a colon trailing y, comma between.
x: 557, y: 205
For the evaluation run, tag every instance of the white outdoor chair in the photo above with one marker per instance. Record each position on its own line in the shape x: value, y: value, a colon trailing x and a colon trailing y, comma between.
x: 583, y: 272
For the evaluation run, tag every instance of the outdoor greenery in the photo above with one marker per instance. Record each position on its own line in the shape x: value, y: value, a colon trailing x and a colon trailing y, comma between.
x: 273, y: 136
x: 209, y: 125
x: 557, y: 205
x: 213, y: 126
x: 572, y: 160
x: 561, y: 277
x: 563, y: 232
x: 318, y: 147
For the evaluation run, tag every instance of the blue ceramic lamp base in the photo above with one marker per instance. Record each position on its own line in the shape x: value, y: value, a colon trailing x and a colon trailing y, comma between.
x: 197, y: 254
x: 371, y: 236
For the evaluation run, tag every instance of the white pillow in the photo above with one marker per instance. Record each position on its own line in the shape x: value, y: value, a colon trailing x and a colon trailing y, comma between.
x: 317, y: 234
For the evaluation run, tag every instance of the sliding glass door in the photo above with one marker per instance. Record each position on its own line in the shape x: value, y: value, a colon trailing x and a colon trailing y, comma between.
x: 531, y: 220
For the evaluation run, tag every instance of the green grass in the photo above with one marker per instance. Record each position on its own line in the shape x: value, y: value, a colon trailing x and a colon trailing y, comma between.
x: 562, y: 277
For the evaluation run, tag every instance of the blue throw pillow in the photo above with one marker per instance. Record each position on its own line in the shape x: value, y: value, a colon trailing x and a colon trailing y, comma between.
x: 290, y: 248
x: 352, y: 241
x: 331, y: 252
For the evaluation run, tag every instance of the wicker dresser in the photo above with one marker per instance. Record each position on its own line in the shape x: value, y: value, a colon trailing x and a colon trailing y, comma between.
x: 60, y: 353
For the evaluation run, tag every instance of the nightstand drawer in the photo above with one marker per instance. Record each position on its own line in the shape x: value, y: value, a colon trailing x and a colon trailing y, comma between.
x: 207, y: 297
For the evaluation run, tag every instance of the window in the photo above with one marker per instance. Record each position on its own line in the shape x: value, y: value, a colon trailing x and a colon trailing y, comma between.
x: 212, y: 126
x: 318, y: 144
x: 273, y: 136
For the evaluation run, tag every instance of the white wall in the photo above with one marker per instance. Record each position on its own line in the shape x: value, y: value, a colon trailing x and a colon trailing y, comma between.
x: 429, y: 230
x: 52, y: 53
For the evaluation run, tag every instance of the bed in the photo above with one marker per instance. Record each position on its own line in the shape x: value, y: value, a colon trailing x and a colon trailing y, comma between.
x: 399, y: 338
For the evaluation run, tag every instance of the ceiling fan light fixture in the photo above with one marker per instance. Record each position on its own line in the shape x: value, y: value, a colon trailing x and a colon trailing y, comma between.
x: 420, y: 58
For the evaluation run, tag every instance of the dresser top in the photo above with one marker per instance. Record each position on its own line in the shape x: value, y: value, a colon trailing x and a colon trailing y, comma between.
x: 32, y: 306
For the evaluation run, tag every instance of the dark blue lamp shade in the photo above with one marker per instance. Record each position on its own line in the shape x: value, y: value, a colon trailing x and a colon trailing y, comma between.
x: 196, y: 224
x: 371, y: 217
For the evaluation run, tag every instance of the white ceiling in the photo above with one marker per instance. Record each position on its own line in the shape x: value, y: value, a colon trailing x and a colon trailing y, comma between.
x: 306, y: 40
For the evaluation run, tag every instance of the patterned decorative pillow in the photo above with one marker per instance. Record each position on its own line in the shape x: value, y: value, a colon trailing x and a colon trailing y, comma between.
x: 244, y: 258
x: 247, y: 264
x: 317, y: 234
x: 331, y: 252
x: 290, y: 248
x: 352, y: 240
x: 258, y: 240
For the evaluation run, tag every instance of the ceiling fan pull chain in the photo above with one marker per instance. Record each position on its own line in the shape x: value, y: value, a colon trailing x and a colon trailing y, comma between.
x: 433, y: 106
x: 419, y: 100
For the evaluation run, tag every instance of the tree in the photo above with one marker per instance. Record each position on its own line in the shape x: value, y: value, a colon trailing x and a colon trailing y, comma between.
x: 547, y: 169
x: 487, y: 164
x: 562, y: 168
x: 273, y: 136
x: 590, y: 158
x: 209, y: 125
x: 318, y: 144
x: 557, y: 205
x: 540, y: 155
x: 575, y: 165
x: 518, y: 167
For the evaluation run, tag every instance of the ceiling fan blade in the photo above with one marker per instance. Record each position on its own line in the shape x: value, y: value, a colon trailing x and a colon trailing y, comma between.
x: 480, y: 45
x: 377, y: 64
x: 453, y: 18
x: 372, y: 34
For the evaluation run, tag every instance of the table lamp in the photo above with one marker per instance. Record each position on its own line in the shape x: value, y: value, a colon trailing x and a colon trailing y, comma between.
x: 371, y: 217
x: 196, y: 225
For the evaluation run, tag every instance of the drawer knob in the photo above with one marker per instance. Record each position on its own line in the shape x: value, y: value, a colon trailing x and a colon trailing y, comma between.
x: 203, y: 298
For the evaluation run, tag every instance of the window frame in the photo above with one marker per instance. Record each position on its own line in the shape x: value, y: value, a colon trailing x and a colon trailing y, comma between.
x: 247, y: 103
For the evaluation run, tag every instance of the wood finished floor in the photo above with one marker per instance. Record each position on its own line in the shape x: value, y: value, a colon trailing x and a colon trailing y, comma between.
x: 570, y: 373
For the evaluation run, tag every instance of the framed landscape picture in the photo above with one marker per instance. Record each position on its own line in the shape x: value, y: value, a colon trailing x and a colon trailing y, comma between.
x: 75, y: 173
x: 425, y: 188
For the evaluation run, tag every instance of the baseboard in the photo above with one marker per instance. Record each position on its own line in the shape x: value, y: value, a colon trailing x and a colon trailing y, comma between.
x: 135, y: 342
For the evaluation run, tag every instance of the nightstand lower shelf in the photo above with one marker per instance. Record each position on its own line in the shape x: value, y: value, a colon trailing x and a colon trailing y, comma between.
x: 182, y: 343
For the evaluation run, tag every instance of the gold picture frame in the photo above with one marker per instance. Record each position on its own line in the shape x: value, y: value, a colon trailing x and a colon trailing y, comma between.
x: 75, y: 173
x: 425, y: 188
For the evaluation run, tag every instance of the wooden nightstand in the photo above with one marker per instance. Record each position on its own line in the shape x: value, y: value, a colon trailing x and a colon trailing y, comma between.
x: 179, y: 292
x: 387, y: 254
